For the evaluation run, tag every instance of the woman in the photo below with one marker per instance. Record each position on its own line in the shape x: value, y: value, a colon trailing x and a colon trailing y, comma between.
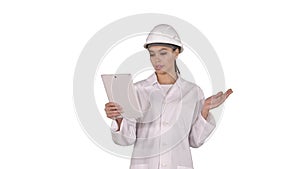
x: 175, y: 113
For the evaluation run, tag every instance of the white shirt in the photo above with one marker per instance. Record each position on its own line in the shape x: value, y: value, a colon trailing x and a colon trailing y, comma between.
x: 165, y: 87
x: 171, y: 124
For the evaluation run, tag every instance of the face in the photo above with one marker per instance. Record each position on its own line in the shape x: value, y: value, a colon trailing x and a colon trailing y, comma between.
x: 163, y: 58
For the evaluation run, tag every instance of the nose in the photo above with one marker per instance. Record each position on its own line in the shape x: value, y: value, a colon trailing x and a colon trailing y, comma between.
x: 156, y: 58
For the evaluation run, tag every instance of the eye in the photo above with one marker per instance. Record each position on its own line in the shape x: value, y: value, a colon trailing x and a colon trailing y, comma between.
x: 151, y: 55
x: 163, y: 53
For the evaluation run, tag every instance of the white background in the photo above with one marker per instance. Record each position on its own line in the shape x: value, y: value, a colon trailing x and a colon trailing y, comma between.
x: 256, y: 41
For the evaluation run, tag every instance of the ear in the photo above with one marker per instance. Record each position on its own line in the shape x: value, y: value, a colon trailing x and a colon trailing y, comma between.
x: 176, y: 53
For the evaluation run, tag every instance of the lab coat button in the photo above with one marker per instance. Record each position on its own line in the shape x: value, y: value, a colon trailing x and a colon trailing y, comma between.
x: 165, y: 123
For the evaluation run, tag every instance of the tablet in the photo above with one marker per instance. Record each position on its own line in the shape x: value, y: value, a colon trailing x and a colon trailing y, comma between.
x: 119, y: 88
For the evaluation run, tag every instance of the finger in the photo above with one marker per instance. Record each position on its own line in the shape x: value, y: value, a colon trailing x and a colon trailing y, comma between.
x: 113, y: 114
x: 217, y: 97
x: 109, y: 104
x: 220, y: 100
x: 114, y: 108
x: 217, y: 101
x: 223, y: 98
x: 118, y: 107
x: 219, y: 94
x: 110, y: 108
x: 112, y: 104
x: 115, y: 111
x: 228, y: 92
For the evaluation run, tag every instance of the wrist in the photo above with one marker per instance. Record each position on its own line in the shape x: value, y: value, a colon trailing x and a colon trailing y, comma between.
x: 119, y: 121
x: 204, y: 113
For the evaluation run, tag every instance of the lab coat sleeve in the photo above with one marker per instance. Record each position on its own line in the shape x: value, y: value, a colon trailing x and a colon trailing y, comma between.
x: 200, y: 128
x: 127, y: 133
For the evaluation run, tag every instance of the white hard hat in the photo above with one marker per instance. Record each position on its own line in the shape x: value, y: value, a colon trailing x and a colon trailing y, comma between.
x: 164, y: 34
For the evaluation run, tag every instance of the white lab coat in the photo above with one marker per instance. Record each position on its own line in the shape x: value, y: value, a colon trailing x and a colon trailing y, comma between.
x: 170, y: 125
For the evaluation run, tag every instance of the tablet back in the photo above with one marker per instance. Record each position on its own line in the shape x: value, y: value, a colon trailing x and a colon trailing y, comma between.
x: 119, y: 88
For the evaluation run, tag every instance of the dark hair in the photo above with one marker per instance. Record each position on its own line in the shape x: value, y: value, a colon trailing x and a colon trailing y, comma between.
x: 176, y: 67
x: 174, y: 47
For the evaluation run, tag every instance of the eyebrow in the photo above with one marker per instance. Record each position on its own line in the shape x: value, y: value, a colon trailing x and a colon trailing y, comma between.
x: 159, y: 50
x: 163, y: 49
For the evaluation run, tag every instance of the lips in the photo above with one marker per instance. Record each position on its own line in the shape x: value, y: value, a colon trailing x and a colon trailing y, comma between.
x: 158, y: 67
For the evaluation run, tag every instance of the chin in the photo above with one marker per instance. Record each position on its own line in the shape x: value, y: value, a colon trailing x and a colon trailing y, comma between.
x: 160, y: 72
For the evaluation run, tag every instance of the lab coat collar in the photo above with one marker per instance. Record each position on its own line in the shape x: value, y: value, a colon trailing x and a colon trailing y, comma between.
x: 175, y: 92
x: 152, y: 79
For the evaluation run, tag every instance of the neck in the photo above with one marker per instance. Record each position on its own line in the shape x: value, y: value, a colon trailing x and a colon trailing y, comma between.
x: 166, y: 78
